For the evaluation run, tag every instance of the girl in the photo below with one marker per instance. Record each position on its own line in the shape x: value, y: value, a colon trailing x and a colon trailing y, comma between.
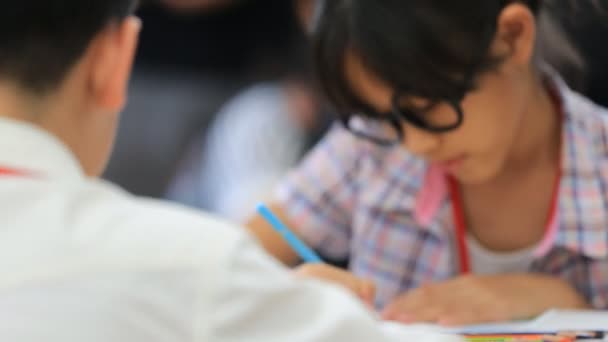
x: 467, y: 182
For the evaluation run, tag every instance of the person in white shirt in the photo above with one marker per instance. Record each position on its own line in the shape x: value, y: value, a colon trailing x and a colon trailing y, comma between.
x: 81, y: 260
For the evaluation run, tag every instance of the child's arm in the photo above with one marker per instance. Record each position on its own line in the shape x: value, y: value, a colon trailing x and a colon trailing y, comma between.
x: 362, y: 288
x: 479, y: 299
x: 316, y: 200
x: 272, y: 241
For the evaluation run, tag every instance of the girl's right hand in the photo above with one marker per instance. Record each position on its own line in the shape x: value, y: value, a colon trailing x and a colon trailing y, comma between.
x: 362, y: 288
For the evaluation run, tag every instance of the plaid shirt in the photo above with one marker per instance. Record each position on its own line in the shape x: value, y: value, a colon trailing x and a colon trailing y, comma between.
x: 384, y: 210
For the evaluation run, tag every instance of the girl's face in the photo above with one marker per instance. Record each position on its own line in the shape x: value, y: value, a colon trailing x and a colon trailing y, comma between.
x: 494, y: 113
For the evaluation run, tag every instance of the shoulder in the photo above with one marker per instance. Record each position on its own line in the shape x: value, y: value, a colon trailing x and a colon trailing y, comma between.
x: 341, y: 159
x: 93, y: 224
x: 190, y: 236
x: 90, y: 237
x: 351, y: 152
x: 587, y: 123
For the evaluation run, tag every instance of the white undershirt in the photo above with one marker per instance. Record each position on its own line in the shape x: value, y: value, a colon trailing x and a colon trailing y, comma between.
x: 485, y: 261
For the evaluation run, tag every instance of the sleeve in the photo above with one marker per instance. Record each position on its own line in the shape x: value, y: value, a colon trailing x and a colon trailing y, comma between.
x: 259, y: 300
x: 589, y: 276
x: 319, y: 195
x: 598, y: 290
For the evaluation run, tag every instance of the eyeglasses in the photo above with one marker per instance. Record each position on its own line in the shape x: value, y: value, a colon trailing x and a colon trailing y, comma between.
x: 386, y: 129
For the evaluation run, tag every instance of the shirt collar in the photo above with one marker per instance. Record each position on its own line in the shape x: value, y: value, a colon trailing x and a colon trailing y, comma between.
x: 30, y: 149
x: 582, y: 217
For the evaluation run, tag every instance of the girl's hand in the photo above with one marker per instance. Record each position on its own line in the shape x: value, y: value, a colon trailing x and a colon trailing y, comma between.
x: 362, y: 288
x: 480, y: 299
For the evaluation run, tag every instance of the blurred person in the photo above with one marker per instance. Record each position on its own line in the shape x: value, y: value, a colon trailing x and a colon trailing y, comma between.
x: 257, y: 137
x: 82, y: 260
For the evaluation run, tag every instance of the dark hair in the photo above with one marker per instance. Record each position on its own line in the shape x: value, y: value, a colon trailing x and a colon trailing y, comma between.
x: 40, y: 40
x: 425, y: 48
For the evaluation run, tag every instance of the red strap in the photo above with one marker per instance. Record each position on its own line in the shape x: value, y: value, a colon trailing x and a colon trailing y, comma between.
x: 461, y: 226
x: 4, y: 171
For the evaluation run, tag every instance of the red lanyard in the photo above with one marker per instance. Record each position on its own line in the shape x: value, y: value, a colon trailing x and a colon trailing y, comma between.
x: 4, y: 171
x: 461, y: 226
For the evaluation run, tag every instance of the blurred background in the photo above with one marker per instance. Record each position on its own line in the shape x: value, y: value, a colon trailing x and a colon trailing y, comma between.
x: 226, y: 90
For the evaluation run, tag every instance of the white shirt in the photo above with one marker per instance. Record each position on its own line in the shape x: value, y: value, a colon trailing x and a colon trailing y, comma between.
x: 81, y: 260
x: 488, y: 262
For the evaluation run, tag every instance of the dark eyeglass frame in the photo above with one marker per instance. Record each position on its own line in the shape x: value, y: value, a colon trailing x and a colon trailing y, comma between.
x: 397, y: 116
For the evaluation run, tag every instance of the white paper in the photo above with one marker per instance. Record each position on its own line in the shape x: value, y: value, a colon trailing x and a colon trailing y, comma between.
x: 400, y: 332
x: 551, y: 321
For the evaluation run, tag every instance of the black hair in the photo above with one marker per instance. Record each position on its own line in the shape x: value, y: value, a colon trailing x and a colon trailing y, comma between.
x: 40, y: 40
x: 425, y: 48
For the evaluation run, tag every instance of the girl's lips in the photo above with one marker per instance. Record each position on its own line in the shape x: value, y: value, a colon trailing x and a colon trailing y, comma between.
x: 452, y: 165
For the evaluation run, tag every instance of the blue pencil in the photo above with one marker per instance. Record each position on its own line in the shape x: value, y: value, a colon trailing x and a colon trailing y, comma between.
x: 305, y: 252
